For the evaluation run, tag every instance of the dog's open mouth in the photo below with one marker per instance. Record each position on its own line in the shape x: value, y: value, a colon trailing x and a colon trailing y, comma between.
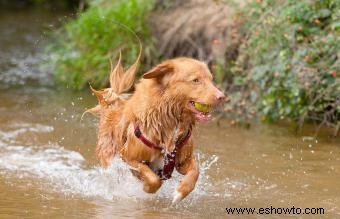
x: 201, y: 111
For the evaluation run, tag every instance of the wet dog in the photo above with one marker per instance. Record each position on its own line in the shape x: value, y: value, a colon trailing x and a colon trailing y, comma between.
x: 151, y: 129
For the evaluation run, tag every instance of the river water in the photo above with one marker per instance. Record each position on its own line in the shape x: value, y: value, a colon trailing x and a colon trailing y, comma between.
x: 48, y: 167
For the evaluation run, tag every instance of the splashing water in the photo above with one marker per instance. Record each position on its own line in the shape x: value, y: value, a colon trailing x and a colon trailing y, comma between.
x: 21, y: 128
x: 67, y: 171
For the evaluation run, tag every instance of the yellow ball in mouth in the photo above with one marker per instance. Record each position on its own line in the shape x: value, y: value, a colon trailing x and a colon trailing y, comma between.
x: 202, y: 107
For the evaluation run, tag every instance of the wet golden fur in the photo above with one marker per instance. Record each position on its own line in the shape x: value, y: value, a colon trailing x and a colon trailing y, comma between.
x: 159, y: 106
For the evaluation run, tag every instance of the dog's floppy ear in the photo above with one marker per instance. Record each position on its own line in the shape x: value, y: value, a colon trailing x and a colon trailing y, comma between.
x: 160, y: 70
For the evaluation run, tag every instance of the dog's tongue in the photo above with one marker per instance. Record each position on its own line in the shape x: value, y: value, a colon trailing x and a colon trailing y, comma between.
x: 201, y: 117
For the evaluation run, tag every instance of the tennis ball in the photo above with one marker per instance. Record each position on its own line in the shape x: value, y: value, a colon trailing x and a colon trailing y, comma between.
x: 202, y: 107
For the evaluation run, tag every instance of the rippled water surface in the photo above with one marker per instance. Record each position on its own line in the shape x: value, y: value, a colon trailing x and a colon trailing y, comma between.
x: 48, y: 167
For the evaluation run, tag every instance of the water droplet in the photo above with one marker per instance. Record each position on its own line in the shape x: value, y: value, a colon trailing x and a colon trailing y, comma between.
x: 290, y: 155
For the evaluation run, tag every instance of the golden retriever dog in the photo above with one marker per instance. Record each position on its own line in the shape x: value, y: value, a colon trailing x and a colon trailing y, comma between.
x: 151, y: 129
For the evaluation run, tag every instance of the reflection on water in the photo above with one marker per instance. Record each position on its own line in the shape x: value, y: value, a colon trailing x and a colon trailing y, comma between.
x: 48, y: 168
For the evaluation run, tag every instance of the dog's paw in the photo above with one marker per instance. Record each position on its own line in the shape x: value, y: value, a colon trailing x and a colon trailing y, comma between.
x: 177, y: 197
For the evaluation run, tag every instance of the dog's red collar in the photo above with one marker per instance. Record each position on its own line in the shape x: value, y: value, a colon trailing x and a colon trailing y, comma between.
x: 169, y: 158
x: 148, y: 143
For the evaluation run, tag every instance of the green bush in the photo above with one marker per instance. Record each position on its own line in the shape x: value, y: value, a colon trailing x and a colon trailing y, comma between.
x: 289, y: 63
x: 85, y: 45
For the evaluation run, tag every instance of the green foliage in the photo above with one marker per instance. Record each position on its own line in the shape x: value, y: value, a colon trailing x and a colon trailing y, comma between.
x: 291, y: 59
x: 86, y: 44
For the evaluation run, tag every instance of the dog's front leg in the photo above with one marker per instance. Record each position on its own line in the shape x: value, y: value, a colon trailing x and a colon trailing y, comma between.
x: 190, y: 171
x: 151, y: 181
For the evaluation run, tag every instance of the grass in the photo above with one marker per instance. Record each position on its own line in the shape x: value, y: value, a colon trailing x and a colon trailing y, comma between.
x: 85, y: 45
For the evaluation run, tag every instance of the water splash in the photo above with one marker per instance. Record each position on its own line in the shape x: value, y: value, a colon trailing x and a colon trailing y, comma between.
x: 20, y: 128
x: 67, y: 171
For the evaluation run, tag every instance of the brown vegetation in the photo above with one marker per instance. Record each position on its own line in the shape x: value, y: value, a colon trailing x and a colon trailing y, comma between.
x: 207, y: 30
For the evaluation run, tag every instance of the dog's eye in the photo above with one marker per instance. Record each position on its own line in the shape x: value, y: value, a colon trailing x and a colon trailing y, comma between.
x: 196, y: 80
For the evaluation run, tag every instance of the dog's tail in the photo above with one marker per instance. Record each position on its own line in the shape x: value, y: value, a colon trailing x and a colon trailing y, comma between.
x: 120, y: 82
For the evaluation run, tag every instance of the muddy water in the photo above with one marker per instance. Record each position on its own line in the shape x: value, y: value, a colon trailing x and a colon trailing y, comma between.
x: 48, y: 168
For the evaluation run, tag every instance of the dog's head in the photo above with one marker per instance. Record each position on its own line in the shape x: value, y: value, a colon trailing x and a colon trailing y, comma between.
x: 191, y: 80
